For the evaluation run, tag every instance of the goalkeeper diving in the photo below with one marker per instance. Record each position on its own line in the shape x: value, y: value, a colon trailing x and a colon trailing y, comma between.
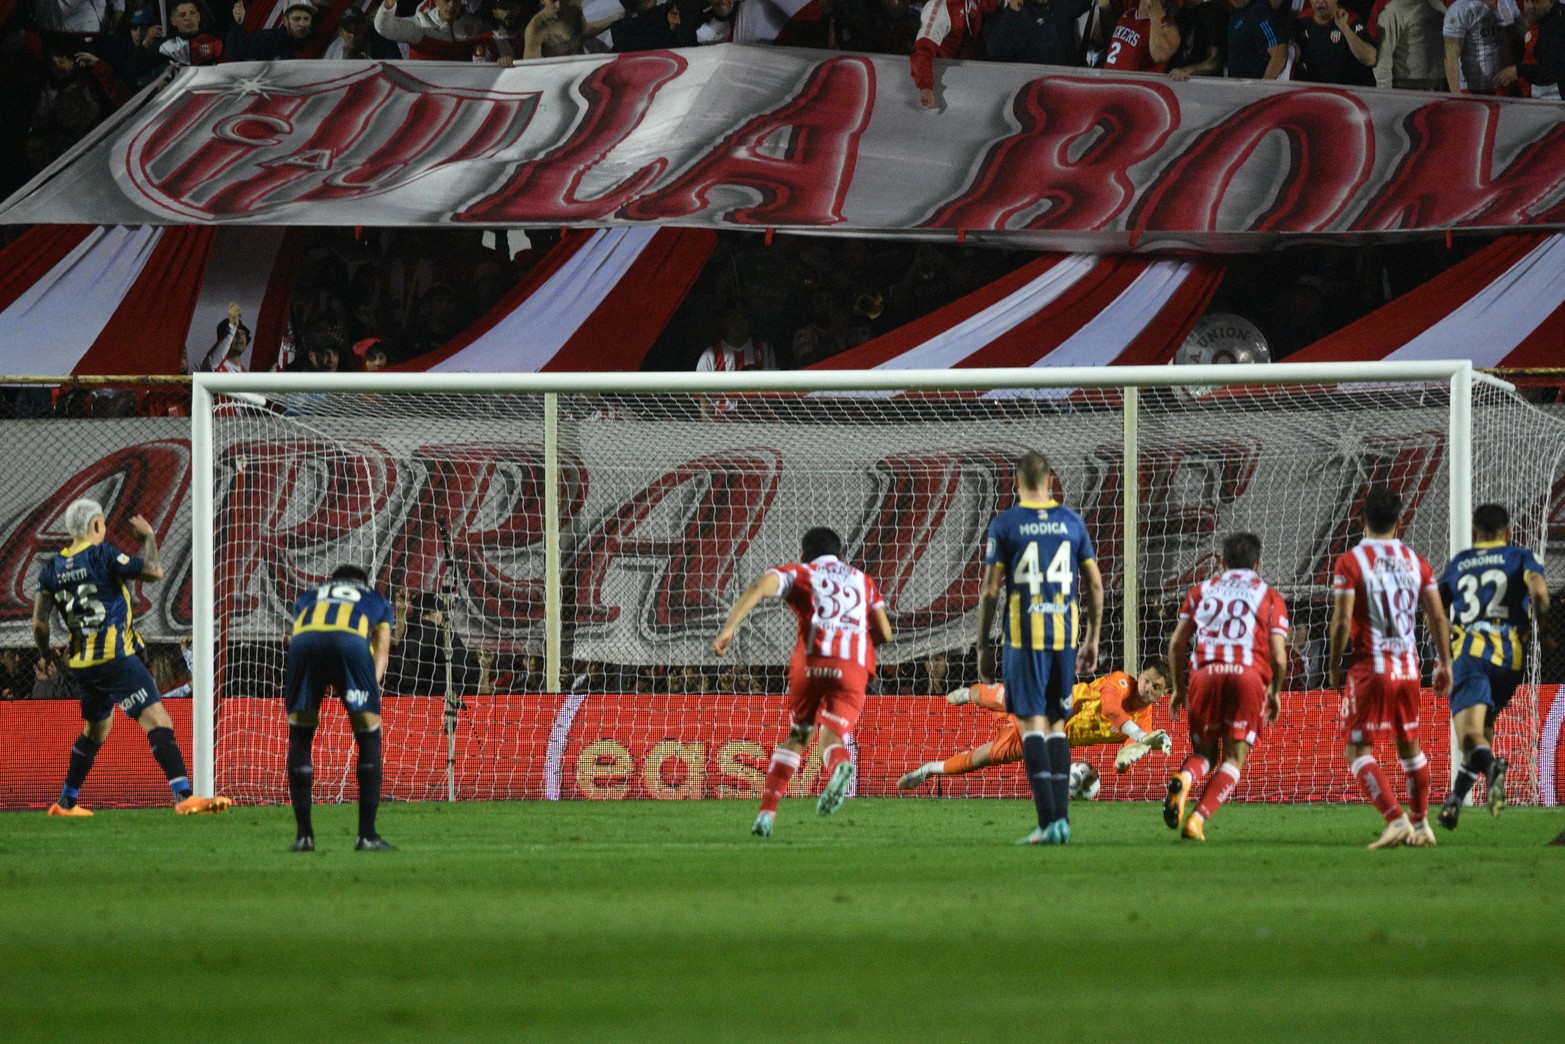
x: 1110, y: 709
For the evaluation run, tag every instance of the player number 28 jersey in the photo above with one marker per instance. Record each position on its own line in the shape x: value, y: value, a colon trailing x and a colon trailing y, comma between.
x: 1042, y: 549
x: 1235, y: 615
x: 832, y: 601
x: 1386, y: 578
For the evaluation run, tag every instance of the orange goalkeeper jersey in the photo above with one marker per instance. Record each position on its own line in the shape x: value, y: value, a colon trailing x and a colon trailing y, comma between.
x: 1097, y: 709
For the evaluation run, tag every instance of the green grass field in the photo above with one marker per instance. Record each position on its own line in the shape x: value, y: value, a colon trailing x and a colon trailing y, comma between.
x: 894, y: 920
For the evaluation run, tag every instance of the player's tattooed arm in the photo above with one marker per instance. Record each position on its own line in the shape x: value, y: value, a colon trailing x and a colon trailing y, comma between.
x: 988, y: 600
x: 151, y: 556
x: 43, y: 605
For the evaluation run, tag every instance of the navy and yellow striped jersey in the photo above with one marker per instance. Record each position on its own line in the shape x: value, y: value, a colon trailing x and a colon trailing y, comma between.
x: 1042, y: 547
x: 88, y: 582
x: 341, y: 606
x: 1485, y: 589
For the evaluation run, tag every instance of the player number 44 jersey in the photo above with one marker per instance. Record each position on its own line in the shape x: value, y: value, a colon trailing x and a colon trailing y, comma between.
x: 832, y: 601
x: 1043, y: 548
x: 1235, y: 615
x: 1386, y: 578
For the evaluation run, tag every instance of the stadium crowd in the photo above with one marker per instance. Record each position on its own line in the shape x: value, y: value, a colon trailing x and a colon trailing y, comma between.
x: 371, y: 297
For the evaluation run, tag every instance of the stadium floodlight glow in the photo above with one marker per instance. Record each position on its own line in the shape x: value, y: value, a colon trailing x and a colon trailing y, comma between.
x: 598, y: 523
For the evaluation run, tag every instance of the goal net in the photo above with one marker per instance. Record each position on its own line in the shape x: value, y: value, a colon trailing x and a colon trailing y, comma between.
x: 561, y: 551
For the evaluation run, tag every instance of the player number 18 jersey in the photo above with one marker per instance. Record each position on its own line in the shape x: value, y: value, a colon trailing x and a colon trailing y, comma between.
x: 1386, y: 578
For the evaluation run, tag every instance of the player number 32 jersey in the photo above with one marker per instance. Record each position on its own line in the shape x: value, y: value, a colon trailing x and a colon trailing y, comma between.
x: 832, y: 601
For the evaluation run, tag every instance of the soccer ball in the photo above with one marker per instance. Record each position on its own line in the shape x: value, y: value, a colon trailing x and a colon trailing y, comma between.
x: 1084, y: 780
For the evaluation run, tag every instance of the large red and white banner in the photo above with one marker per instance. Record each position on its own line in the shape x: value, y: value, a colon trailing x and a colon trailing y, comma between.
x: 747, y: 136
x: 629, y: 746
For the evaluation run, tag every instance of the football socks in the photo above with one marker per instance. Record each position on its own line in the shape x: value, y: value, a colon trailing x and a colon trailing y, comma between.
x: 1059, y: 749
x: 1040, y: 776
x: 369, y: 772
x: 1477, y: 764
x: 1416, y: 769
x: 83, y: 752
x: 1373, y: 782
x: 1219, y: 788
x: 301, y: 775
x: 784, y: 764
x: 165, y: 749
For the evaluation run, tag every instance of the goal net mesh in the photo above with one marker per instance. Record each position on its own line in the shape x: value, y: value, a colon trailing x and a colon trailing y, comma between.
x: 670, y: 504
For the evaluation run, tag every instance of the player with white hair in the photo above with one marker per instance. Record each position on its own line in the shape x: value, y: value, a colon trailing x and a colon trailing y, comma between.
x: 87, y: 583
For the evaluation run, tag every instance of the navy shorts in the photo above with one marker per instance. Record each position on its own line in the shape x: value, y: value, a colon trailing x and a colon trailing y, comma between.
x: 318, y: 660
x: 125, y: 681
x: 1474, y: 682
x: 1039, y: 682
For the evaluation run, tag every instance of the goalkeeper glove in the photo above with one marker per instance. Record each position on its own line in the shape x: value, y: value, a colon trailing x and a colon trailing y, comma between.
x: 957, y: 697
x: 1159, y: 740
x: 1129, y: 754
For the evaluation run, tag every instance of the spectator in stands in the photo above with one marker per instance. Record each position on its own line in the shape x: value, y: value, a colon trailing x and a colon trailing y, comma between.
x: 1542, y: 68
x: 505, y: 45
x: 949, y: 29
x: 375, y: 358
x: 195, y: 40
x: 418, y: 649
x: 227, y: 354
x: 734, y: 348
x: 357, y: 39
x: 322, y: 348
x: 134, y: 56
x: 649, y: 26
x: 271, y: 45
x: 16, y: 676
x: 1334, y: 47
x: 873, y: 26
x: 78, y: 16
x: 1482, y: 40
x: 77, y: 93
x: 49, y: 683
x: 714, y: 21
x: 1144, y: 39
x: 1409, y: 52
x: 1203, y: 40
x: 1039, y: 32
x: 440, y: 318
x: 492, y: 280
x: 429, y: 27
x: 1257, y: 41
x: 820, y: 337
x: 560, y: 28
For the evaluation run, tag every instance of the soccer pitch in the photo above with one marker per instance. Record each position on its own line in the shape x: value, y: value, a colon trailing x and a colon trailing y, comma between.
x: 893, y: 920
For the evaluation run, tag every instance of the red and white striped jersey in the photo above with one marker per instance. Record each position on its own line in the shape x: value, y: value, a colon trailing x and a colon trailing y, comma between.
x: 722, y: 357
x: 833, y: 601
x: 1235, y: 615
x: 1386, y: 578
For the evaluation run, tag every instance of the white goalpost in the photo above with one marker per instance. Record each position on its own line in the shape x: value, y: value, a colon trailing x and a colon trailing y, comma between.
x: 563, y: 547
